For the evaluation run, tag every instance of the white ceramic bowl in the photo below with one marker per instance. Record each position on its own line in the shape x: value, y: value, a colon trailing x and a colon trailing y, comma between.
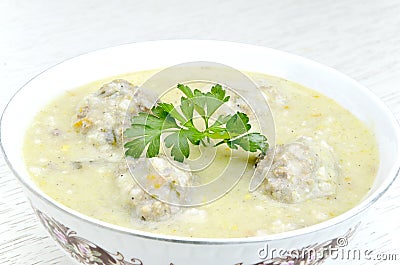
x: 85, y: 238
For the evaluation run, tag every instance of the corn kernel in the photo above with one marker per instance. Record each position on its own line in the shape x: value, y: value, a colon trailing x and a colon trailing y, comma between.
x: 65, y: 147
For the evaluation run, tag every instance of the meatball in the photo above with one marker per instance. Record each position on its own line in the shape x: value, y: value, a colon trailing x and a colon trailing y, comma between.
x: 102, y: 114
x: 300, y: 171
x: 101, y: 118
x: 160, y: 179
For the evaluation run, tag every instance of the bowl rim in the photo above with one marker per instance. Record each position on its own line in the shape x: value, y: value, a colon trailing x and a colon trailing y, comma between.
x: 354, y: 211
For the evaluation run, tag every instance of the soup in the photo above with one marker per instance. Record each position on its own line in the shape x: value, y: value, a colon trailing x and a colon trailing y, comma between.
x: 325, y: 163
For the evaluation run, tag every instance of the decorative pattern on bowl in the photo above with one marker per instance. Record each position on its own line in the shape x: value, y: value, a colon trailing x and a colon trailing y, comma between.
x: 79, y: 248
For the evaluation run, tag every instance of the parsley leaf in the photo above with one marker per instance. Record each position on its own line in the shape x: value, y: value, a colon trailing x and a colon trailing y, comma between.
x: 147, y: 128
x: 187, y: 108
x: 179, y: 143
x: 251, y: 142
x: 238, y: 124
x: 215, y: 99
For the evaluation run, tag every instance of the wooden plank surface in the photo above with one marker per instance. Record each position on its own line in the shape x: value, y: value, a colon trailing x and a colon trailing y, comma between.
x: 359, y: 38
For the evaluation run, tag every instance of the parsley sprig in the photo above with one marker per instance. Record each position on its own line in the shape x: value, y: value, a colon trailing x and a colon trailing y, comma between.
x: 178, y: 124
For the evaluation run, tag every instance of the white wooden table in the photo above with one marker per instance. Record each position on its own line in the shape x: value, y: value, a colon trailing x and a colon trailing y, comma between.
x: 359, y: 38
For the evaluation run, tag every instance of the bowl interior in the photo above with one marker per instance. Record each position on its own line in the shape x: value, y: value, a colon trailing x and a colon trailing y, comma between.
x: 151, y: 55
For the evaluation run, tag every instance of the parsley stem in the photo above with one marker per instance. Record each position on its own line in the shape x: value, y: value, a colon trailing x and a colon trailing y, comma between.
x: 206, y: 121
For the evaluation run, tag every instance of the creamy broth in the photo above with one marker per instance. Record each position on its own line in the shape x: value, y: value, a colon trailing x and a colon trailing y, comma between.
x: 52, y: 148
